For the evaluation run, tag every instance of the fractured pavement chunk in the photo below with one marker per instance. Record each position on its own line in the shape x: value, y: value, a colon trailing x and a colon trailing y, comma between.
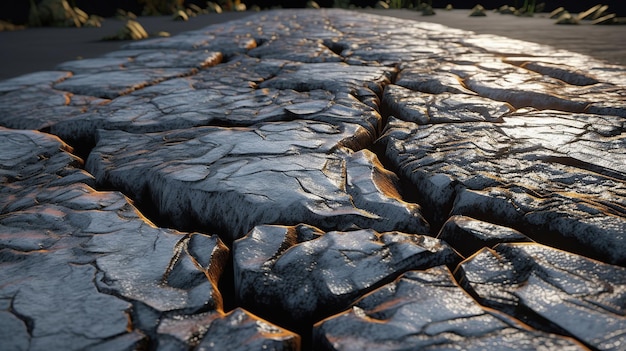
x: 168, y: 272
x: 525, y: 88
x: 426, y: 78
x: 423, y: 310
x: 300, y: 274
x: 225, y: 95
x: 331, y: 76
x: 66, y: 250
x: 566, y: 73
x: 232, y: 179
x: 424, y: 108
x: 558, y: 177
x: 237, y: 330
x: 202, y: 40
x: 467, y: 235
x: 135, y: 59
x: 109, y: 85
x: 58, y: 301
x: 30, y: 102
x: 110, y: 77
x: 553, y: 290
x: 397, y: 40
x: 299, y: 50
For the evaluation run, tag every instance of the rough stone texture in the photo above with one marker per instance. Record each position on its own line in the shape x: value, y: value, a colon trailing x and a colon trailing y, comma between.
x: 557, y: 177
x: 237, y: 330
x: 425, y: 108
x: 352, y: 123
x: 552, y: 289
x: 467, y: 235
x: 233, y: 179
x: 69, y: 254
x: 303, y: 274
x: 427, y: 310
x: 48, y: 296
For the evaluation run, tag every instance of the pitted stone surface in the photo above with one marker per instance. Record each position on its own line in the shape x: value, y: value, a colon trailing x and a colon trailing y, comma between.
x: 277, y: 119
x: 427, y: 310
x: 552, y: 289
x: 303, y: 274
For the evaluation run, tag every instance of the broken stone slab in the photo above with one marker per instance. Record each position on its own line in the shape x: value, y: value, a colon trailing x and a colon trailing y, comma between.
x: 286, y: 24
x: 426, y: 78
x: 583, y: 227
x: 35, y: 168
x: 58, y: 303
x: 331, y: 76
x: 48, y: 285
x: 187, y: 107
x: 67, y: 250
x: 577, y: 70
x: 224, y: 95
x: 300, y: 274
x: 552, y: 290
x: 236, y: 330
x: 109, y: 85
x: 233, y: 179
x: 30, y: 102
x: 564, y: 72
x: 167, y: 272
x: 134, y: 59
x: 424, y: 108
x: 397, y: 40
x: 203, y: 40
x: 504, y: 47
x: 508, y: 49
x: 523, y: 81
x: 467, y: 235
x: 37, y: 200
x: 427, y: 309
x: 521, y: 88
x: 59, y: 211
x: 297, y: 50
x: 126, y: 71
x: 558, y: 177
x: 14, y: 331
x: 42, y: 78
x: 391, y: 50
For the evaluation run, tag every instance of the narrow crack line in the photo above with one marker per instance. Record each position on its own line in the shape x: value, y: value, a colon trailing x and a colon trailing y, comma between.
x: 28, y: 321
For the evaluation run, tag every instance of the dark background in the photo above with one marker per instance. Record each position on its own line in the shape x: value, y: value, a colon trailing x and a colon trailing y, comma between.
x: 16, y: 11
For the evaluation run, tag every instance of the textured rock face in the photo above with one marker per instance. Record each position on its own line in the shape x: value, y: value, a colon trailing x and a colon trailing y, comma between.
x: 543, y: 172
x: 552, y: 289
x: 467, y: 235
x: 302, y: 274
x: 422, y: 310
x: 234, y: 179
x: 316, y: 169
x: 238, y: 330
